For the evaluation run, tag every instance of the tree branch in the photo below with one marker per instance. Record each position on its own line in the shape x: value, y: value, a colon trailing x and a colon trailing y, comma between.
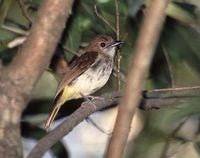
x: 143, y: 54
x: 24, y: 11
x: 108, y: 100
x: 40, y: 44
x: 18, y: 79
x: 74, y: 119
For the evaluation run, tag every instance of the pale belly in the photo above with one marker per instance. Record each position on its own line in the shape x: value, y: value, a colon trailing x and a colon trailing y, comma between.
x: 92, y: 80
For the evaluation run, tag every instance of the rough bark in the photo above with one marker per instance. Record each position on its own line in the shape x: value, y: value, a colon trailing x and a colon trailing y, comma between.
x: 18, y: 79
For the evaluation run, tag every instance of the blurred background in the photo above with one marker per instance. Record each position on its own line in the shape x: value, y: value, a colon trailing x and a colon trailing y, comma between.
x: 167, y: 132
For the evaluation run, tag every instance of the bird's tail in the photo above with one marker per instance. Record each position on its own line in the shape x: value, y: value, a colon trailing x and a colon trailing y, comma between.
x: 52, y: 116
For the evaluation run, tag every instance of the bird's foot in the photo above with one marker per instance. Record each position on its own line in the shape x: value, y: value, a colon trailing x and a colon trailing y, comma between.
x: 95, y: 97
x: 91, y: 99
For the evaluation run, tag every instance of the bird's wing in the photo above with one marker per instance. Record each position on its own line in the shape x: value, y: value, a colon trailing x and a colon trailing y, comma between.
x: 78, y: 66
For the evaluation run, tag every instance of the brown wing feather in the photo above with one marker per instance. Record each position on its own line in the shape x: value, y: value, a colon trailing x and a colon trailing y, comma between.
x: 78, y: 66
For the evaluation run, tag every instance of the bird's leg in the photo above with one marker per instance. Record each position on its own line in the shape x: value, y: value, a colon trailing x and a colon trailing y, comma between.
x: 85, y: 97
x: 89, y: 100
x: 88, y: 119
x: 92, y: 98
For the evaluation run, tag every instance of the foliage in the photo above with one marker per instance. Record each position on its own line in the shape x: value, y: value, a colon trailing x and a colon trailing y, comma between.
x: 176, y: 62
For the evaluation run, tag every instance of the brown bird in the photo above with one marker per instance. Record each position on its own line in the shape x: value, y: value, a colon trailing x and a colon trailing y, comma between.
x: 87, y: 73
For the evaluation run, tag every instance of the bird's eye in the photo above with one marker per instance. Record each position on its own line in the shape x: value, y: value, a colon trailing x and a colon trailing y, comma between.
x: 102, y: 44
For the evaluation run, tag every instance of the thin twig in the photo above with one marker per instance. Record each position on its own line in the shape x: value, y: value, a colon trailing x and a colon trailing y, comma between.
x: 24, y: 12
x: 103, y: 19
x: 71, y: 51
x: 169, y: 66
x: 122, y: 76
x: 18, y: 40
x: 117, y: 18
x: 15, y: 30
x: 90, y: 120
x: 195, y: 28
x: 168, y: 92
x: 171, y: 135
x: 175, y: 89
x: 118, y: 51
x: 144, y: 51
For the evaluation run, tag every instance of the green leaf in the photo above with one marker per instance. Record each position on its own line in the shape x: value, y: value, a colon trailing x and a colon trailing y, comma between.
x: 4, y: 7
x: 46, y: 86
x: 72, y: 37
x: 182, y: 46
x: 178, y: 13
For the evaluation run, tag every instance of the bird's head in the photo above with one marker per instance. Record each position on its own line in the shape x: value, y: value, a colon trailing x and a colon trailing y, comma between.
x: 103, y: 44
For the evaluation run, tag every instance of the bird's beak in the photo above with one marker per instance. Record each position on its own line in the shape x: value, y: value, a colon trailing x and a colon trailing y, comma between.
x: 116, y: 43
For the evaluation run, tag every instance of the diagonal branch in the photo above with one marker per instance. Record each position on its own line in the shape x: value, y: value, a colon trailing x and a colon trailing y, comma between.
x: 108, y: 100
x: 74, y: 119
x: 19, y: 78
x: 143, y: 55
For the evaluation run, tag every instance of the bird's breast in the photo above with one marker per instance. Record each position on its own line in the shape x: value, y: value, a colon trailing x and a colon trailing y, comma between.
x: 94, y: 77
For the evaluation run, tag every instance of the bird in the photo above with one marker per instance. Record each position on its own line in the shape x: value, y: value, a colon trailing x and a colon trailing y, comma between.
x: 88, y: 73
